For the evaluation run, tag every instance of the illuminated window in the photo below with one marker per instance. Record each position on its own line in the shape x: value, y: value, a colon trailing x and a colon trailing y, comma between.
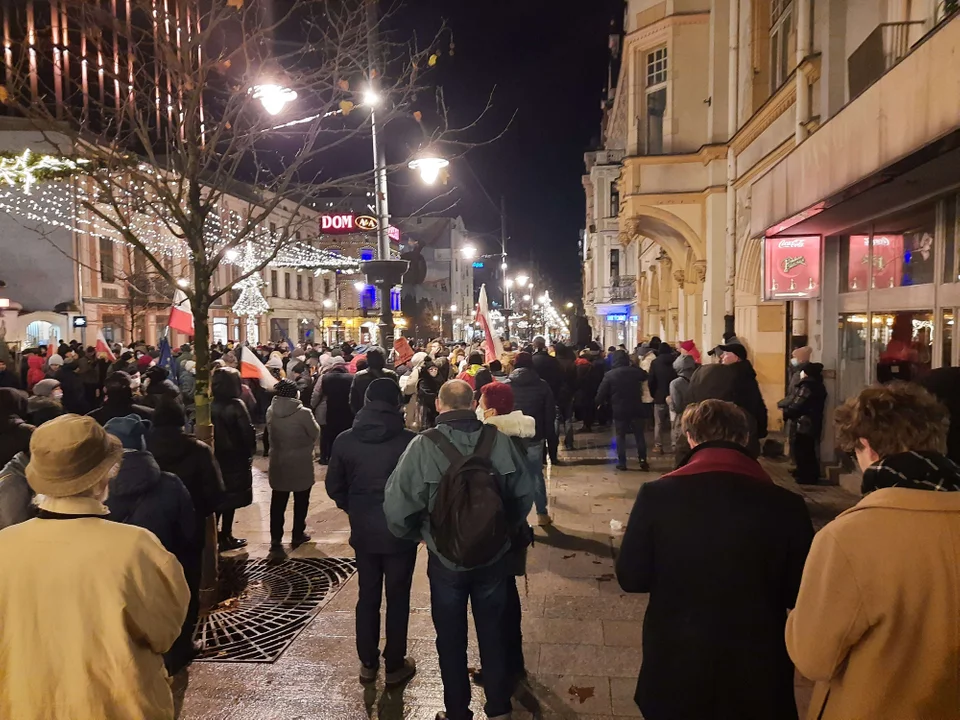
x: 655, y: 100
x: 783, y: 41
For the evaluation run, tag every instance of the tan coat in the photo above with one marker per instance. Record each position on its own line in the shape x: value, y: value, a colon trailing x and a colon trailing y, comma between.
x: 877, y: 621
x: 87, y: 607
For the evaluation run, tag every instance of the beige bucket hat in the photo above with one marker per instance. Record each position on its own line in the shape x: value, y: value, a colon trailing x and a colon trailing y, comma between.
x: 69, y: 455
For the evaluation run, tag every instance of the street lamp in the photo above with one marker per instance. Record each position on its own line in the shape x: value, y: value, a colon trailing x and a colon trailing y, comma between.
x: 522, y: 280
x: 273, y: 97
x: 526, y: 298
x: 569, y: 306
x: 371, y: 97
x: 469, y: 252
x: 429, y: 167
x: 327, y: 303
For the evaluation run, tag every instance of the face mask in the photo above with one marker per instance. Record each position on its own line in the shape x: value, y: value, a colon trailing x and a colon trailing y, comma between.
x: 58, y: 395
x: 794, y: 362
x: 480, y: 415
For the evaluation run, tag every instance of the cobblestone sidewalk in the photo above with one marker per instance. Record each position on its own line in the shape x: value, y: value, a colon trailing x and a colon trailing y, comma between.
x: 582, y: 635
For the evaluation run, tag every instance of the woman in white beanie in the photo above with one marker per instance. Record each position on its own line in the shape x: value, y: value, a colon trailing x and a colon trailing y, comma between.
x: 109, y: 600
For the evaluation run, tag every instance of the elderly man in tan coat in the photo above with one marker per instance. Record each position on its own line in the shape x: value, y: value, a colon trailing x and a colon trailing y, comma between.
x: 877, y: 620
x: 87, y: 606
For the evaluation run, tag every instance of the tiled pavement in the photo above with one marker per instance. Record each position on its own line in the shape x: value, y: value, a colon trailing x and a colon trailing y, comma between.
x: 582, y: 635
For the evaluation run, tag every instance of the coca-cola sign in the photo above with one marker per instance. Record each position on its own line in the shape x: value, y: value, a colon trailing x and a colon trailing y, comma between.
x: 791, y: 268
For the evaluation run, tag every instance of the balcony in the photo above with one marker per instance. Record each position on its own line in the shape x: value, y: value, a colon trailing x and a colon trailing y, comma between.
x: 886, y: 46
x: 625, y: 290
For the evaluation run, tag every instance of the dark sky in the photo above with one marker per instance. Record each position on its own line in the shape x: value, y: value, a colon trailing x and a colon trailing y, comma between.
x: 546, y: 62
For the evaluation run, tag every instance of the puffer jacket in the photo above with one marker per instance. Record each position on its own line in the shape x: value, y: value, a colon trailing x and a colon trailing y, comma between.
x: 533, y: 397
x: 661, y: 375
x: 143, y: 495
x: 623, y: 387
x: 360, y: 464
x: 293, y: 435
x: 34, y: 371
x: 684, y: 366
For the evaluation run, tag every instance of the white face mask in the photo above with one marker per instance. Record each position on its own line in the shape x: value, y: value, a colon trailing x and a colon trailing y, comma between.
x: 57, y: 395
x: 794, y: 362
x: 480, y: 413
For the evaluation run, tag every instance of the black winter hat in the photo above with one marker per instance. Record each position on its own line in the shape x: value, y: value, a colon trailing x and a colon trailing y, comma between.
x: 383, y: 390
x: 287, y: 389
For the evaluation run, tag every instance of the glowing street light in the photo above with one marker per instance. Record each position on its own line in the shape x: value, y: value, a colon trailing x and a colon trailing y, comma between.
x: 231, y: 255
x: 273, y: 97
x: 429, y: 167
x: 436, y: 317
x: 569, y: 305
x: 371, y: 97
x: 327, y: 302
x: 509, y: 282
x: 526, y: 298
x: 522, y: 280
x: 183, y: 282
x: 453, y: 308
x: 469, y: 252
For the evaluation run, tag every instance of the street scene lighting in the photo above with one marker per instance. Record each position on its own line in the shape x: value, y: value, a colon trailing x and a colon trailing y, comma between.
x: 526, y: 298
x: 509, y: 282
x: 183, y: 282
x: 370, y: 97
x: 453, y: 308
x: 231, y: 255
x: 359, y: 285
x: 436, y: 317
x: 429, y: 167
x: 503, y: 266
x: 569, y: 305
x: 469, y: 252
x: 327, y: 302
x: 522, y: 280
x: 273, y: 97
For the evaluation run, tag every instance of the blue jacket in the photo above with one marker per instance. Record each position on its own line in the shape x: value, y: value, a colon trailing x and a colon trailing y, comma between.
x: 412, y: 487
x: 144, y: 496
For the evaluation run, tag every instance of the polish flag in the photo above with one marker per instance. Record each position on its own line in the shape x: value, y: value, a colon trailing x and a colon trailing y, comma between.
x: 181, y: 316
x: 251, y: 367
x: 483, y: 320
x: 103, y: 346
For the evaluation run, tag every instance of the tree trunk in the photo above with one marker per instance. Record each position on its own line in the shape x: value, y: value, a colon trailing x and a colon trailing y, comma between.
x: 204, y: 430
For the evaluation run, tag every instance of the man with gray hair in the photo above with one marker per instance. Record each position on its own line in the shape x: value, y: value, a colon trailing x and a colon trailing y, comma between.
x: 409, y: 502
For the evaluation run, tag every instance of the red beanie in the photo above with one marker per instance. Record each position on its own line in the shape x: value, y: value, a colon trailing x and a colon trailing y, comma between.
x: 499, y: 397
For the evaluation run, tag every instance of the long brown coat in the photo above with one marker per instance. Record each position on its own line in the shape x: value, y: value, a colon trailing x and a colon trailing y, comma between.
x: 877, y: 621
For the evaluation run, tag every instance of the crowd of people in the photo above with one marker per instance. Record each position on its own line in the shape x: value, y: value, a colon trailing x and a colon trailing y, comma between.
x: 106, y: 497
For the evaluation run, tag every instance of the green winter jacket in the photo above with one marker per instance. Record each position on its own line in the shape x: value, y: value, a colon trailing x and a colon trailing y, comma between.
x: 412, y: 488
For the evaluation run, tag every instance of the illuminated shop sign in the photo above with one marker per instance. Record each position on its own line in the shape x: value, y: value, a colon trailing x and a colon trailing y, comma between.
x: 343, y: 223
x: 791, y: 268
x: 617, y: 317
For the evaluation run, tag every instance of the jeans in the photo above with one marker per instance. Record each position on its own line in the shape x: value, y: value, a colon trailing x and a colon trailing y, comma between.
x: 661, y: 425
x: 278, y: 506
x: 486, y: 588
x: 535, y: 468
x: 631, y: 425
x: 377, y: 572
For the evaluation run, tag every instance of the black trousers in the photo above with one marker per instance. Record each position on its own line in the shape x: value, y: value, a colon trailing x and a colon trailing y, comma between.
x: 806, y: 454
x: 634, y: 426
x: 377, y: 572
x: 513, y: 633
x: 278, y: 506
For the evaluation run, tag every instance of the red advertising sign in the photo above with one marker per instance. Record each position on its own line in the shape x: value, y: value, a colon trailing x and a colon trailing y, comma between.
x: 345, y: 223
x: 791, y: 268
x: 887, y: 262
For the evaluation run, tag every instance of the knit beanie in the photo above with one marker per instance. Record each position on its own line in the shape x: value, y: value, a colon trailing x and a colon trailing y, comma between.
x: 131, y: 430
x: 383, y: 390
x: 287, y: 389
x: 45, y: 388
x: 55, y: 361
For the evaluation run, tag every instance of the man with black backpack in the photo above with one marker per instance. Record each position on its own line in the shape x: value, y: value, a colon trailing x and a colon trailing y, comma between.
x: 462, y: 488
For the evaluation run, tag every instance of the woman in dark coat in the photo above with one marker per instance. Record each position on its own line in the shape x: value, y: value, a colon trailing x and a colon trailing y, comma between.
x: 14, y: 432
x: 428, y: 387
x: 360, y: 465
x: 720, y: 549
x: 334, y: 391
x: 235, y: 442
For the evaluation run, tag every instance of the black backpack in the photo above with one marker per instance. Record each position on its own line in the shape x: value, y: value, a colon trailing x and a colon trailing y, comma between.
x: 468, y: 520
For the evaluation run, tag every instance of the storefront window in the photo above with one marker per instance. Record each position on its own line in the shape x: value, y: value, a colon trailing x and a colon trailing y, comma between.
x: 946, y: 333
x: 902, y: 343
x: 853, y: 355
x: 950, y: 241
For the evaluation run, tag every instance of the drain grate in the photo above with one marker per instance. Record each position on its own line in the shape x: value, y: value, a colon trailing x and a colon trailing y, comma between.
x: 269, y: 603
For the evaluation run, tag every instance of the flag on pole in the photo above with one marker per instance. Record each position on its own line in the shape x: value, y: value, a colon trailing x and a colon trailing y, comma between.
x: 251, y: 367
x: 166, y: 360
x: 103, y: 346
x: 288, y: 341
x: 483, y: 320
x: 181, y: 315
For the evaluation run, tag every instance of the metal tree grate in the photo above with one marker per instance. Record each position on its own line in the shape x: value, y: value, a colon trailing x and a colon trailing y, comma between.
x: 269, y: 603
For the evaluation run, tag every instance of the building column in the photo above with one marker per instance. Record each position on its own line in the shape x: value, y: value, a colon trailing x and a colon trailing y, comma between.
x: 714, y: 284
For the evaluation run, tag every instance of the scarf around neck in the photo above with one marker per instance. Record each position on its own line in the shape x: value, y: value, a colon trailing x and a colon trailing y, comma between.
x: 913, y: 470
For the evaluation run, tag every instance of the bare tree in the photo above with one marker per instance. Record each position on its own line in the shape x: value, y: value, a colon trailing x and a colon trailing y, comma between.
x: 162, y: 106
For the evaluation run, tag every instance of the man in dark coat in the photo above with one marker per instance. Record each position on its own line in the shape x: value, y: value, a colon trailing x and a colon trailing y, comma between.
x: 14, y: 432
x: 551, y: 372
x: 733, y: 380
x: 658, y: 382
x: 331, y: 405
x: 118, y: 400
x: 720, y: 548
x: 804, y: 408
x: 590, y: 369
x: 622, y: 387
x: 192, y: 461
x: 376, y: 364
x: 74, y: 398
x: 235, y: 443
x: 362, y: 460
x: 532, y: 396
x: 8, y: 378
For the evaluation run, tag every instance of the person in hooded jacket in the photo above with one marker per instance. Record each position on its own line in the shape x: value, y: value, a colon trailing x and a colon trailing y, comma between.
x: 235, y: 442
x: 685, y: 365
x: 376, y: 364
x: 35, y: 371
x: 622, y: 388
x: 805, y: 409
x: 331, y: 404
x: 428, y: 389
x: 14, y: 431
x: 293, y: 435
x: 474, y: 366
x: 660, y: 376
x: 532, y: 396
x: 118, y: 400
x: 191, y: 460
x: 590, y: 369
x: 362, y: 460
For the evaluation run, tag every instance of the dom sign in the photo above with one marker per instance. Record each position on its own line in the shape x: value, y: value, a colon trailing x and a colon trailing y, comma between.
x: 344, y: 223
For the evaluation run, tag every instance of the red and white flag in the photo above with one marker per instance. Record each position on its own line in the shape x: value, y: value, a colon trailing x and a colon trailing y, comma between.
x: 181, y: 315
x: 103, y: 346
x: 483, y: 321
x: 251, y: 367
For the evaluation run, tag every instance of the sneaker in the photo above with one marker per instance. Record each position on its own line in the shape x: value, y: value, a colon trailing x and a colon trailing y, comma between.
x: 543, y: 519
x: 368, y: 673
x: 621, y: 467
x: 300, y: 540
x: 404, y: 673
x: 644, y: 466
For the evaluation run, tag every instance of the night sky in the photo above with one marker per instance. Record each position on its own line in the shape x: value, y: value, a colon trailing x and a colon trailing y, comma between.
x: 548, y: 64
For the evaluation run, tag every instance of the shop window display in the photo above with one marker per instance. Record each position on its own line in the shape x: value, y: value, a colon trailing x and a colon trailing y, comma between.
x: 853, y: 355
x: 946, y: 338
x: 902, y: 344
